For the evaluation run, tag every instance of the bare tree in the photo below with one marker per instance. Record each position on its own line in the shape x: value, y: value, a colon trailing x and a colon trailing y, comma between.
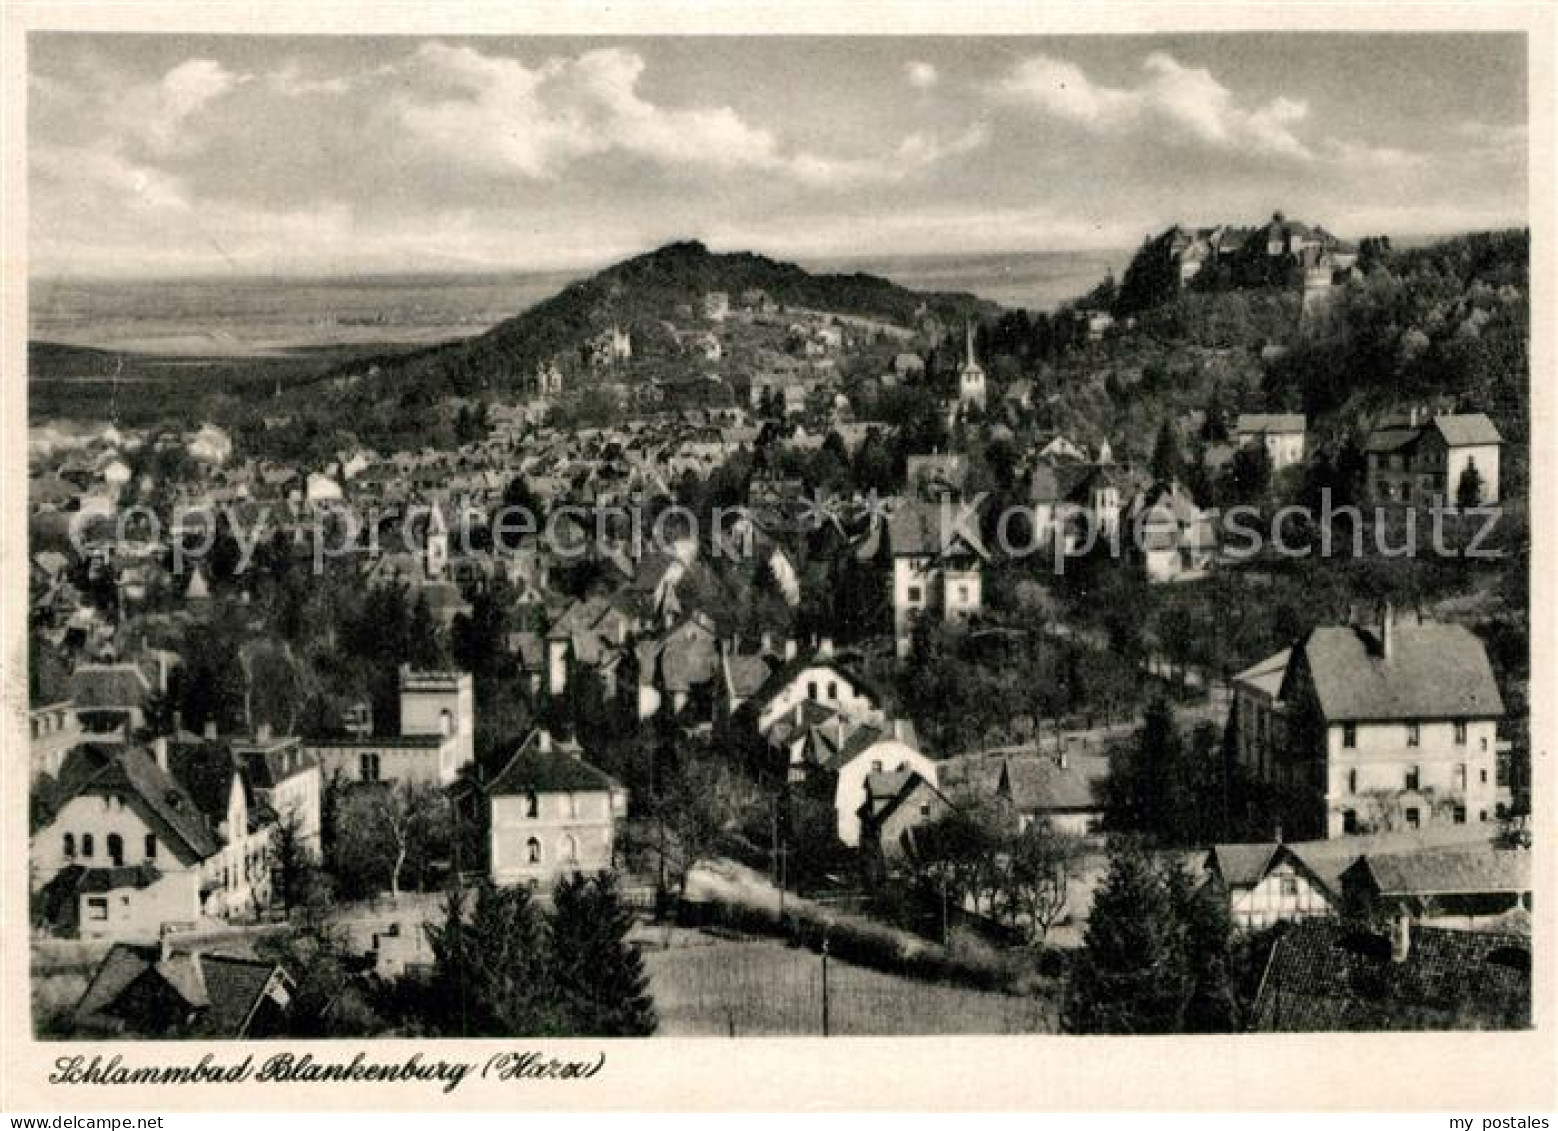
x: 1038, y: 866
x: 388, y: 826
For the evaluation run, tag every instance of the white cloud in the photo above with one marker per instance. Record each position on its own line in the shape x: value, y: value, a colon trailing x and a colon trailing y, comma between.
x: 1505, y: 143
x: 922, y: 75
x: 158, y: 113
x: 1186, y: 101
x: 1362, y: 155
x: 919, y: 149
x: 499, y: 115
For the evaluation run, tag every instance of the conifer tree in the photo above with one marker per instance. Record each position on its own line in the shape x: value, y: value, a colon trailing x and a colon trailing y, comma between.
x: 1468, y: 493
x: 1132, y: 975
x: 493, y: 968
x: 1212, y: 1005
x: 1167, y: 462
x: 599, y: 974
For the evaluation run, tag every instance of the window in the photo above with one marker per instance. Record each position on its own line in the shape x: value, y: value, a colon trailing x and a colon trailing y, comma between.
x: 876, y: 765
x: 1414, y: 818
x: 1460, y: 732
x: 1349, y: 735
x: 70, y: 844
x: 86, y: 845
x: 1460, y: 815
x: 1483, y: 775
x: 1414, y: 734
x: 963, y: 594
x: 532, y: 851
x: 572, y: 804
x: 97, y: 907
x: 570, y: 850
x: 1460, y: 777
x: 116, y: 849
x: 1352, y: 781
x: 811, y: 689
x: 1289, y: 886
x: 1414, y: 777
x: 1350, y: 821
x: 368, y: 767
x: 833, y: 689
x: 532, y: 806
x: 914, y: 594
x: 925, y: 809
x: 1482, y: 816
x: 445, y: 721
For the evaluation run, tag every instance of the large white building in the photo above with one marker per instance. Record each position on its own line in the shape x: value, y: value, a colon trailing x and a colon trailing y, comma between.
x: 1392, y: 726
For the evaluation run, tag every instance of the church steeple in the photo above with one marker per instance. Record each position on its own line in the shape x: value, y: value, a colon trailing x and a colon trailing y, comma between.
x: 971, y: 377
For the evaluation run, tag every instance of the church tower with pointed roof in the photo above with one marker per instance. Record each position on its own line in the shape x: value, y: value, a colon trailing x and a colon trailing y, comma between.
x: 971, y: 375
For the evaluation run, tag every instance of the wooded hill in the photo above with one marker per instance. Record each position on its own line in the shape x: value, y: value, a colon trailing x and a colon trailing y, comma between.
x: 665, y: 285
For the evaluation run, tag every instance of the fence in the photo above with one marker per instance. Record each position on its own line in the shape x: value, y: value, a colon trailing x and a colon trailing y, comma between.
x: 763, y: 988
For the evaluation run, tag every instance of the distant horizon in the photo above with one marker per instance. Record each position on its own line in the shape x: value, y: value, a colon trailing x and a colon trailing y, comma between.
x: 811, y: 262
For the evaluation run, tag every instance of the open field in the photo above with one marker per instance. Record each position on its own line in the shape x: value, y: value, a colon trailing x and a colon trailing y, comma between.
x: 707, y: 986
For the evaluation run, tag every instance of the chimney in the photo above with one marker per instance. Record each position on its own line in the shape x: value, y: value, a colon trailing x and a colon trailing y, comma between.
x: 1064, y: 760
x: 1412, y: 416
x: 790, y: 648
x: 263, y: 732
x: 159, y: 750
x: 825, y: 647
x: 1401, y: 938
x: 1387, y: 630
x: 768, y: 642
x: 800, y: 708
x: 544, y: 741
x: 210, y: 729
x: 178, y: 721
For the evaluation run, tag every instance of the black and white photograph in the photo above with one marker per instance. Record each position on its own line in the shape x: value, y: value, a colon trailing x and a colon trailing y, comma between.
x: 569, y: 537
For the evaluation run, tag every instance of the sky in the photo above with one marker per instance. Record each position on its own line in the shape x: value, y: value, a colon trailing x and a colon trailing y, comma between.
x: 161, y: 155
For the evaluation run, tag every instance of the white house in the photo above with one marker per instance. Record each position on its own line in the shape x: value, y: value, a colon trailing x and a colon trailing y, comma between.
x: 819, y: 679
x: 552, y: 814
x: 1375, y: 728
x: 1282, y: 434
x: 936, y: 569
x: 1424, y: 459
x: 1265, y: 884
